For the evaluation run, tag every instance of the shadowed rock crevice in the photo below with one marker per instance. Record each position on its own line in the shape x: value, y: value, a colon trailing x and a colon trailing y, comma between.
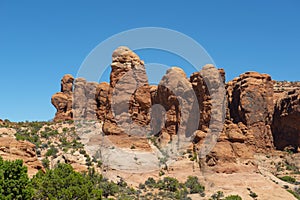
x: 286, y: 123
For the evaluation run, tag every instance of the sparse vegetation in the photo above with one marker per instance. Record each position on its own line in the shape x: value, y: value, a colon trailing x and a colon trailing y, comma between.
x: 233, y: 197
x: 295, y: 192
x: 288, y: 179
x: 46, y: 163
x: 194, y: 186
x: 253, y: 194
x: 193, y: 157
x: 52, y: 151
x: 161, y: 173
x: 217, y: 196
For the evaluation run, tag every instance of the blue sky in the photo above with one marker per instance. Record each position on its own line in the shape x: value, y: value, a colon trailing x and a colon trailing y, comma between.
x: 40, y: 41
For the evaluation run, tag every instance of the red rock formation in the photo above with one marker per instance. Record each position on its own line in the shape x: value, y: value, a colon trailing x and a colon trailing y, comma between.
x: 165, y: 97
x: 175, y: 111
x: 80, y: 100
x: 102, y: 100
x: 124, y: 105
x: 62, y: 101
x: 11, y: 149
x: 203, y: 98
x: 129, y: 99
x: 247, y: 128
x: 250, y: 101
x: 234, y: 143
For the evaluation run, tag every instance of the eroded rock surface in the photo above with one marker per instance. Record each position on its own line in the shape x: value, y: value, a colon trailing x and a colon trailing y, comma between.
x: 63, y: 101
x: 250, y: 101
x: 129, y: 99
x: 11, y: 149
x: 286, y: 123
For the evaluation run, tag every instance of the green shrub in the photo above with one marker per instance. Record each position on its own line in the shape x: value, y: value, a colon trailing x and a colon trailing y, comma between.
x: 288, y: 179
x: 142, y: 186
x: 253, y: 194
x: 233, y: 197
x: 46, y: 163
x: 49, y: 133
x: 151, y: 183
x: 82, y: 151
x: 295, y: 192
x: 161, y: 173
x: 170, y: 184
x: 76, y: 144
x: 217, y: 196
x: 99, y: 163
x: 109, y: 189
x: 193, y: 184
x: 64, y: 183
x: 52, y: 151
x: 14, y: 181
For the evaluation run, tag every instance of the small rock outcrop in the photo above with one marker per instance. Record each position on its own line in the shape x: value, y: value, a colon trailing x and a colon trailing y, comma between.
x: 63, y: 100
x: 11, y: 149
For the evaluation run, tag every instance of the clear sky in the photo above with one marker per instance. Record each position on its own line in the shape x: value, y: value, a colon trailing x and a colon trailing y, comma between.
x: 40, y: 41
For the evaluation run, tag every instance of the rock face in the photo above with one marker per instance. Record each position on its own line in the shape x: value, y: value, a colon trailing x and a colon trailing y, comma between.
x: 129, y: 99
x: 11, y: 149
x: 174, y: 106
x: 286, y: 123
x: 250, y: 101
x: 247, y: 128
x: 234, y: 140
x: 85, y: 100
